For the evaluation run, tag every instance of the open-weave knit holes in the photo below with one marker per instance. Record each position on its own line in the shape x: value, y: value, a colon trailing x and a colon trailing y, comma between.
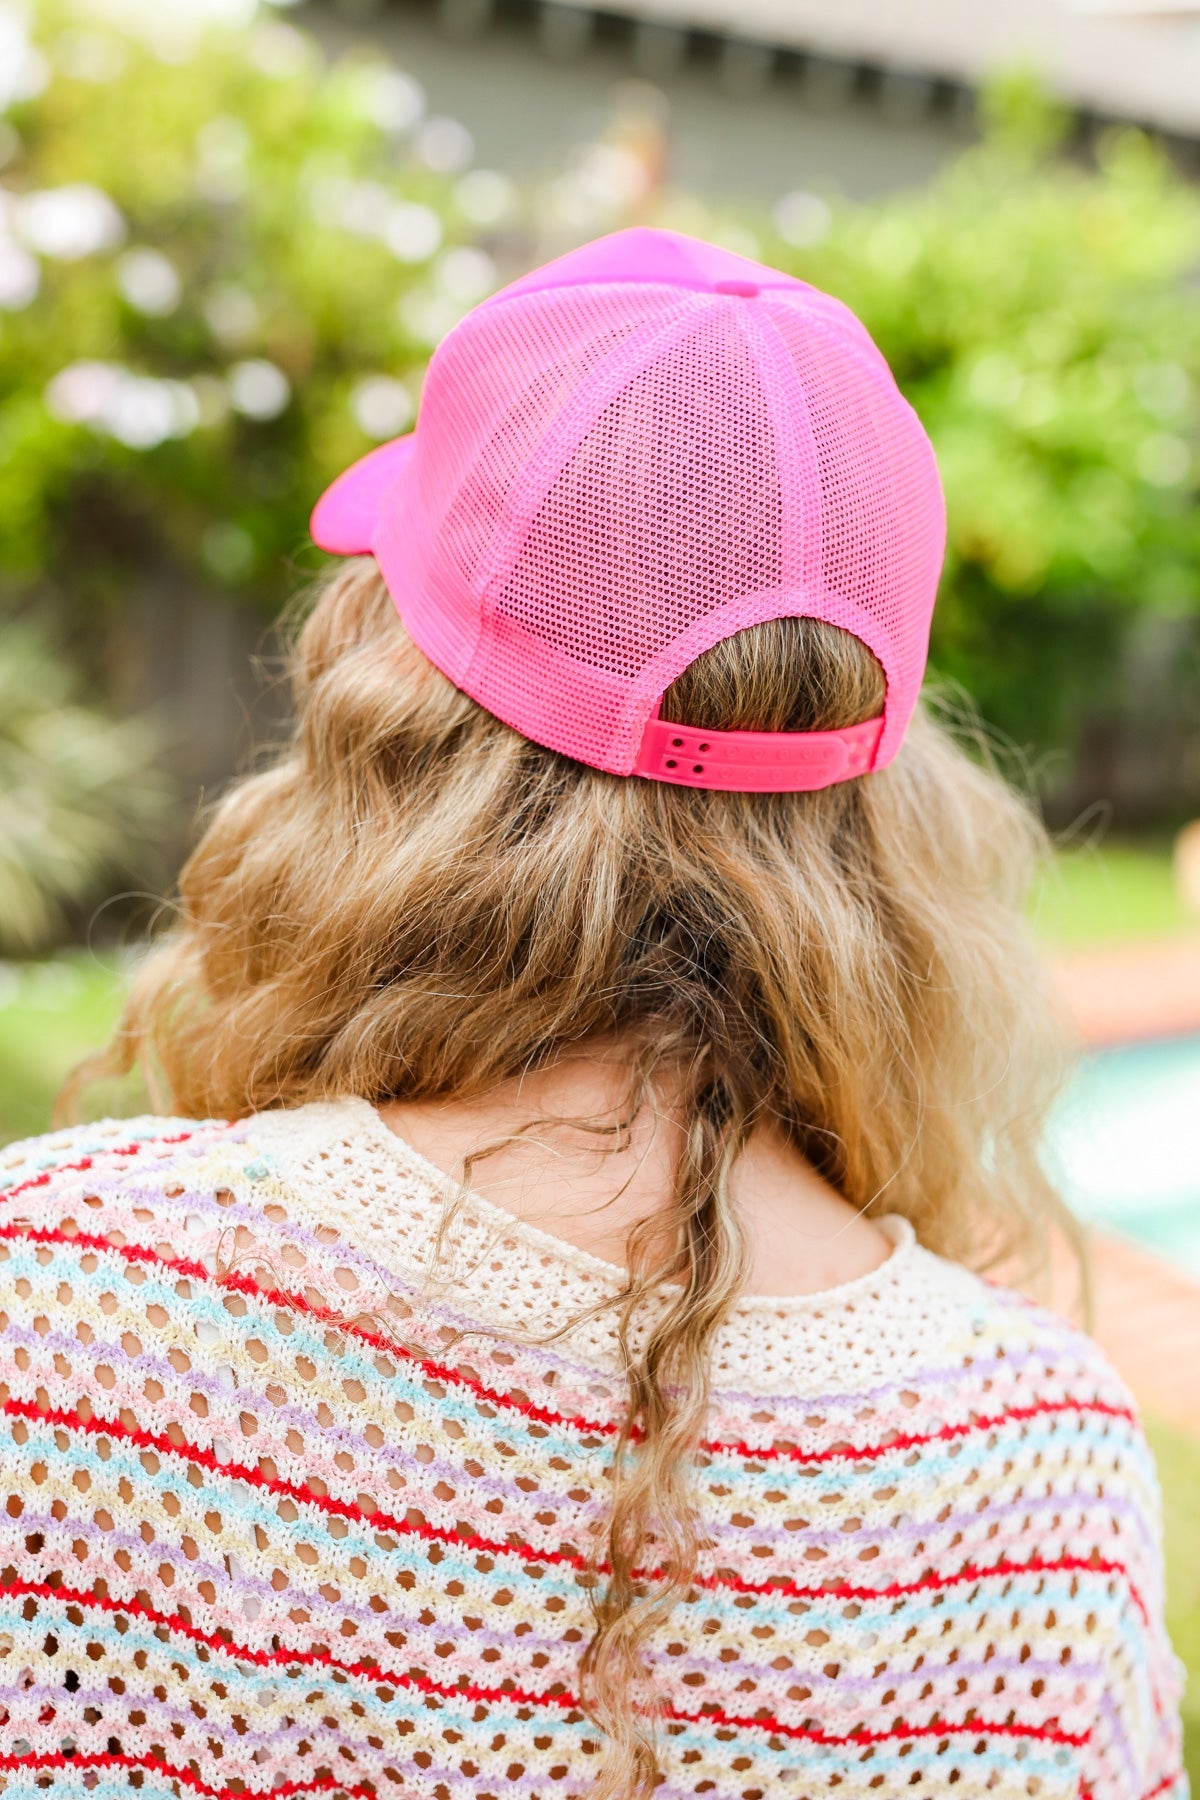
x: 273, y: 1522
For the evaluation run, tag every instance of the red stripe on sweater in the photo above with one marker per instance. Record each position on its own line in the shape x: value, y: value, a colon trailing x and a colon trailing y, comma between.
x: 109, y: 1759
x: 1046, y: 1734
x: 281, y: 1658
x: 782, y: 1452
x: 781, y: 1585
x: 1160, y: 1787
x: 478, y: 1695
x: 324, y: 1315
x: 272, y: 1484
x: 84, y: 1163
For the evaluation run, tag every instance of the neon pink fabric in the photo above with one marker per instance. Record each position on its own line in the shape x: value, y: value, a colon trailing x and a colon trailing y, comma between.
x: 629, y: 455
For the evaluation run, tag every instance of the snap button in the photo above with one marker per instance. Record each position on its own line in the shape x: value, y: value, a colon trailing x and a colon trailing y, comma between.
x: 746, y: 289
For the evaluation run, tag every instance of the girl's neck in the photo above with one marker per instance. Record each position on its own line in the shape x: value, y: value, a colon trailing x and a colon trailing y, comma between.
x: 590, y: 1188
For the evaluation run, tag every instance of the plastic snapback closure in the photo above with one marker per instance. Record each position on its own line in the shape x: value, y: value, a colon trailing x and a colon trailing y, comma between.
x: 756, y: 762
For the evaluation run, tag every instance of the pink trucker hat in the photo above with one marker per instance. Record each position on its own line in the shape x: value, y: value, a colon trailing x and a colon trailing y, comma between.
x: 629, y: 455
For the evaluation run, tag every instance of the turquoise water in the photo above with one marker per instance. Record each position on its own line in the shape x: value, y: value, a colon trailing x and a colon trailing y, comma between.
x: 1125, y: 1145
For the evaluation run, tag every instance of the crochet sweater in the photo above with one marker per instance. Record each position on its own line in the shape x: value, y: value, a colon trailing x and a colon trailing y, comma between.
x: 273, y: 1524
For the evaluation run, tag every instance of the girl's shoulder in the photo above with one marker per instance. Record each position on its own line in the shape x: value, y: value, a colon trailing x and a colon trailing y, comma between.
x: 923, y: 1347
x: 103, y: 1145
x: 116, y: 1183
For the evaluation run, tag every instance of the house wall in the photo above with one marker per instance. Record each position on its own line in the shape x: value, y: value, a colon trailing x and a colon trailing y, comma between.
x: 743, y: 124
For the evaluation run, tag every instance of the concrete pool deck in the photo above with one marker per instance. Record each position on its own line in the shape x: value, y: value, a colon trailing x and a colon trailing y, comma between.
x: 1146, y: 1319
x: 1147, y: 1313
x: 1124, y: 992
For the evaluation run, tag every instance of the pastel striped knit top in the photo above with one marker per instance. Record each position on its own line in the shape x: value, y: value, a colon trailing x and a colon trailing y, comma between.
x: 274, y: 1524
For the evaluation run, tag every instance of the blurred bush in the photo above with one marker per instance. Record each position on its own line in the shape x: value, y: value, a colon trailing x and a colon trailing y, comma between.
x: 79, y: 794
x: 223, y: 265
x: 1040, y: 312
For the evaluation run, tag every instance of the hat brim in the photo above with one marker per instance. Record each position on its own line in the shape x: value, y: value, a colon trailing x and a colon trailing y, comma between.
x: 345, y: 519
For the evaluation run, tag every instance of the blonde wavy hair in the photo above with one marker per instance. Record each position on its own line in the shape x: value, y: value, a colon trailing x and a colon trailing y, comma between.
x: 414, y: 901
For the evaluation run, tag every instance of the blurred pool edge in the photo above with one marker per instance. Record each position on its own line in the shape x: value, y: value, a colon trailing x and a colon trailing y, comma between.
x: 1124, y: 1144
x: 1122, y: 995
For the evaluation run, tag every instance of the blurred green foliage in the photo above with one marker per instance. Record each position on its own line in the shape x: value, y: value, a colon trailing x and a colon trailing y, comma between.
x: 78, y: 792
x: 52, y: 1015
x: 222, y: 266
x: 1105, y: 893
x: 242, y: 262
x: 1177, y: 1454
x: 1040, y: 312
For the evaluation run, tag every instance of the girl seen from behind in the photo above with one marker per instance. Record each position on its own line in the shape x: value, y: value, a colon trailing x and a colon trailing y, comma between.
x: 541, y: 1347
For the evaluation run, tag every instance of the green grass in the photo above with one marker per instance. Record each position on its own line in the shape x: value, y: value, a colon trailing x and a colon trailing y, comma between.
x: 1178, y: 1456
x: 1101, y: 894
x: 51, y: 1015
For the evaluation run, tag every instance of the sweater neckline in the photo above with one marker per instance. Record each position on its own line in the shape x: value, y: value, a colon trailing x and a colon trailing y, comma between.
x: 596, y: 1269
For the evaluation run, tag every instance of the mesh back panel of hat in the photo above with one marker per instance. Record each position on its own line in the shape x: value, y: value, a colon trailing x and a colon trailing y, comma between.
x: 881, y: 537
x: 494, y: 389
x: 670, y: 506
x: 605, y: 474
